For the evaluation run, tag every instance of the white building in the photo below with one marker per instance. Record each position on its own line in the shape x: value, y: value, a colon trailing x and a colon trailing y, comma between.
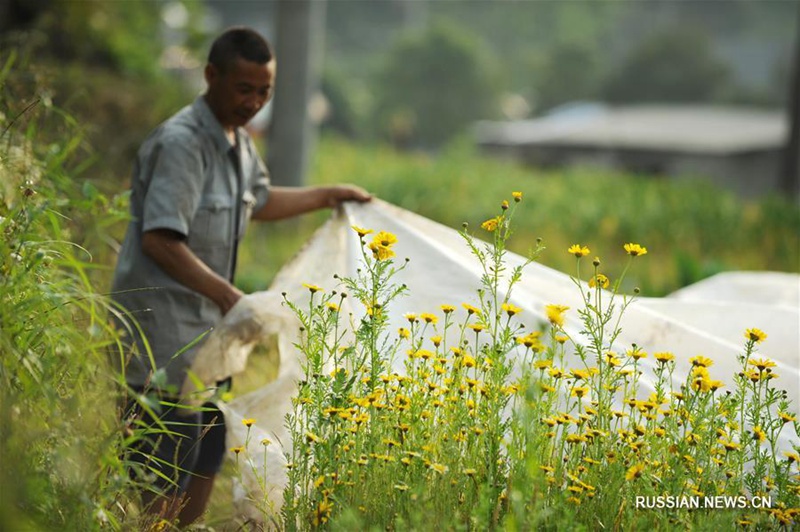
x: 737, y: 148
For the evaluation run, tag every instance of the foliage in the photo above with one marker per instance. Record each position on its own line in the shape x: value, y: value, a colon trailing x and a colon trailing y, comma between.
x: 490, y: 425
x: 676, y: 64
x: 566, y: 72
x: 59, y: 450
x: 434, y: 84
x: 106, y: 76
x: 109, y: 35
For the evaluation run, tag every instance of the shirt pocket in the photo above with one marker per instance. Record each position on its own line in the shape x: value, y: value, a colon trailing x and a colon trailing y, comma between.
x: 248, y: 204
x: 212, y: 224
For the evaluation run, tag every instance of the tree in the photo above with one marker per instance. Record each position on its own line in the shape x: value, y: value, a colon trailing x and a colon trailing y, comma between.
x: 566, y: 72
x: 434, y: 85
x: 674, y: 65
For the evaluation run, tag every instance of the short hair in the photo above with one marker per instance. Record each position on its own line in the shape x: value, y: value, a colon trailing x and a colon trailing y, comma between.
x: 239, y: 41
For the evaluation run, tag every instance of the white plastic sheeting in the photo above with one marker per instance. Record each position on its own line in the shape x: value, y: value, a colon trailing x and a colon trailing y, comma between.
x: 708, y: 319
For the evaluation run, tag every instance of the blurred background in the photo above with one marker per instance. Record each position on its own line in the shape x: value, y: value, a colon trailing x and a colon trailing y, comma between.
x: 670, y: 123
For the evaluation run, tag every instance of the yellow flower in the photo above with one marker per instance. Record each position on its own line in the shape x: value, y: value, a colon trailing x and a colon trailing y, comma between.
x: 729, y: 445
x: 755, y: 335
x: 312, y: 438
x: 700, y: 379
x: 428, y: 318
x: 543, y: 364
x: 664, y: 357
x: 761, y: 363
x: 322, y: 512
x: 265, y: 441
x: 634, y: 472
x: 248, y: 422
x: 635, y: 250
x: 517, y: 196
x: 701, y: 361
x: 361, y: 231
x: 384, y: 239
x: 504, y: 205
x: 436, y: 340
x: 468, y: 361
x: 470, y: 309
x: 599, y: 280
x: 470, y: 472
x: 555, y: 314
x: 313, y: 288
x: 477, y: 327
x: 491, y: 224
x: 759, y: 434
x: 581, y: 374
x: 636, y: 353
x: 237, y: 450
x: 404, y: 333
x: 578, y: 250
x: 792, y: 456
x: 380, y: 252
x: 411, y: 317
x: 579, y: 391
x: 424, y: 354
x: 786, y: 417
x: 447, y: 309
x: 439, y: 468
x: 510, y: 309
x: 531, y: 341
x: 333, y: 307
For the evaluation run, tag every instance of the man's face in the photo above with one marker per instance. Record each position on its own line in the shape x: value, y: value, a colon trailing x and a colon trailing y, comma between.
x: 236, y: 95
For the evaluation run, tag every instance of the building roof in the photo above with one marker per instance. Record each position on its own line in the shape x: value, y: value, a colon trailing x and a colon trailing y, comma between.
x: 684, y: 128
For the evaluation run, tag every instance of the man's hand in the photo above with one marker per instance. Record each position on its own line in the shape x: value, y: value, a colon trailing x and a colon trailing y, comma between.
x: 337, y: 194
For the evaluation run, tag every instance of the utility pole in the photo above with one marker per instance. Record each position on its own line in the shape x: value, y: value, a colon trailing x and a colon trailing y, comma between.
x: 299, y: 43
x: 790, y: 171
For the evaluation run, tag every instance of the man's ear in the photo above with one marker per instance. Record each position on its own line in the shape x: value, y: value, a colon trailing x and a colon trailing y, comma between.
x: 211, y: 73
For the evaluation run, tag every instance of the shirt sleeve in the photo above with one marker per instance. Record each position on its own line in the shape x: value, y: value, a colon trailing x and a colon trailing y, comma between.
x: 175, y: 185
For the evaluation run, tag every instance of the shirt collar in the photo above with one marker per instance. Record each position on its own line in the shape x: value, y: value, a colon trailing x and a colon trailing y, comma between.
x: 211, y: 124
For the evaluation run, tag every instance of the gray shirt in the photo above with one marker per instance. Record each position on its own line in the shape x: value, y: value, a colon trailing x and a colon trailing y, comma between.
x: 185, y: 179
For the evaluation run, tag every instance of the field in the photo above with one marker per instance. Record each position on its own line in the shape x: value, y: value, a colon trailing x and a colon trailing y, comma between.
x: 694, y: 229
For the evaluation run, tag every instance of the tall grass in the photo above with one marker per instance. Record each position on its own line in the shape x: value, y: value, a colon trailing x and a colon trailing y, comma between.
x: 59, y: 433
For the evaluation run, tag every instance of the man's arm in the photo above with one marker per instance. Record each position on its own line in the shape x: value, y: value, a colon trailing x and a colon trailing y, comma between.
x: 168, y: 249
x: 285, y: 202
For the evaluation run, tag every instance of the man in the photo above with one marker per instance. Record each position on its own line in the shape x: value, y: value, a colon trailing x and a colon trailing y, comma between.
x: 197, y: 181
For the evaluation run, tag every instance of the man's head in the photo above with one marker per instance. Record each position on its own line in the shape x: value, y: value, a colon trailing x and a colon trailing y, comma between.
x: 240, y: 74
